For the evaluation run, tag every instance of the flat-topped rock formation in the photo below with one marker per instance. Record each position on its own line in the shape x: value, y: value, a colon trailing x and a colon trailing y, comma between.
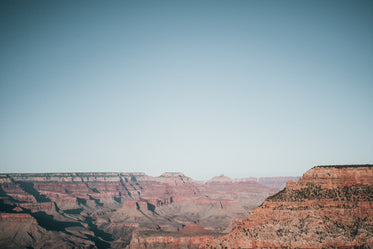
x: 109, y: 210
x: 329, y: 207
x: 338, y: 176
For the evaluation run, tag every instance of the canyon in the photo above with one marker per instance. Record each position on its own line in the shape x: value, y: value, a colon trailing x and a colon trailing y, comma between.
x: 124, y: 210
x: 329, y: 207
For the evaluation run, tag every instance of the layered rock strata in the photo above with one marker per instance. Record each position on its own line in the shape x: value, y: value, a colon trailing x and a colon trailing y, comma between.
x: 116, y: 210
x: 329, y: 207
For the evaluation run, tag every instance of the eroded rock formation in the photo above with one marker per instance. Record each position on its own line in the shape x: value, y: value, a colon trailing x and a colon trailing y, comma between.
x: 329, y: 207
x: 118, y: 210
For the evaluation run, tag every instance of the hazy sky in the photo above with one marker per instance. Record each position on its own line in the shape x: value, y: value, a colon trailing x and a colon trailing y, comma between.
x: 241, y: 88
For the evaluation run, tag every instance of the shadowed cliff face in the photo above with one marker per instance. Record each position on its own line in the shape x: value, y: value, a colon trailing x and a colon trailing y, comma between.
x: 118, y: 210
x: 329, y: 207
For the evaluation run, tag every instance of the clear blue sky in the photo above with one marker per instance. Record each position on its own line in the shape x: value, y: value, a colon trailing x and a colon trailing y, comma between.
x: 241, y: 88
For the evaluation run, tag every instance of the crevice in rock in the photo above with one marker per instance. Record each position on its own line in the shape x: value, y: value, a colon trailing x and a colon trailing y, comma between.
x: 125, y: 187
x: 101, y: 238
x: 28, y: 187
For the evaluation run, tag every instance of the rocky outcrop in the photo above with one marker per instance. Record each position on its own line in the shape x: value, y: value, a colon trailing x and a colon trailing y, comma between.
x: 21, y: 230
x: 329, y: 207
x: 189, y: 237
x: 165, y: 241
x: 17, y: 217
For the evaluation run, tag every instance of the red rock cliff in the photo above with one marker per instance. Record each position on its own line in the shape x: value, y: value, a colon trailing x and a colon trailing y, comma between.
x: 329, y: 207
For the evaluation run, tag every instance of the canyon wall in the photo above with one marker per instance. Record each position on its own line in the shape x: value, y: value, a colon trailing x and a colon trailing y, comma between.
x: 117, y: 210
x: 329, y: 207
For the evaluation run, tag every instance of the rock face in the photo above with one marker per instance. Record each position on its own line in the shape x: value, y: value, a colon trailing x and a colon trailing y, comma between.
x: 166, y: 240
x: 118, y: 210
x: 191, y: 236
x: 329, y: 207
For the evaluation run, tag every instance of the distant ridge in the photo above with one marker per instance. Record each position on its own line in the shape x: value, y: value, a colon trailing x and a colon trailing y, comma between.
x: 121, y: 209
x: 344, y: 166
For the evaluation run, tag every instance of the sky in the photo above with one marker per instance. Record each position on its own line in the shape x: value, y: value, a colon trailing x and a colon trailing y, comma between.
x: 241, y: 88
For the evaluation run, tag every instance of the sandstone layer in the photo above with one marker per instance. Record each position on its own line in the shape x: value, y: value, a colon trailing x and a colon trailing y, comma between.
x: 329, y: 207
